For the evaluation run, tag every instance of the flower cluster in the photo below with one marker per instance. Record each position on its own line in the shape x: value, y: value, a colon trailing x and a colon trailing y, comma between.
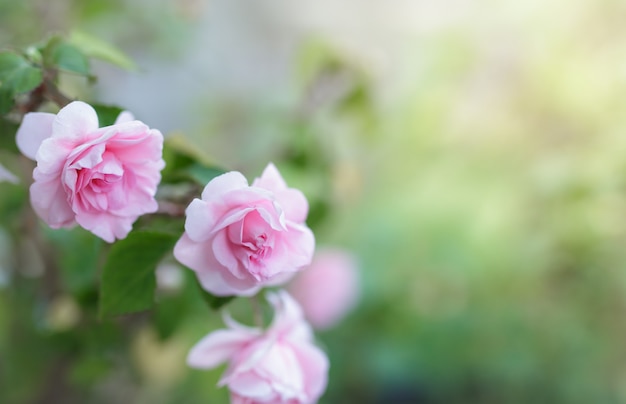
x: 277, y: 366
x: 239, y: 238
x: 101, y: 178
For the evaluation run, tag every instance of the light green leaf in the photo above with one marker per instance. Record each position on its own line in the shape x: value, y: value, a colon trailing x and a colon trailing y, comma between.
x: 128, y: 277
x: 69, y: 58
x: 9, y: 61
x: 99, y: 49
x: 17, y: 75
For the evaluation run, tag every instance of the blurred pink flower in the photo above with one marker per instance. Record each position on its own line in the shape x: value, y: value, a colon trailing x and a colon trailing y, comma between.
x: 7, y: 176
x: 239, y: 238
x: 101, y: 178
x: 329, y: 288
x: 280, y: 365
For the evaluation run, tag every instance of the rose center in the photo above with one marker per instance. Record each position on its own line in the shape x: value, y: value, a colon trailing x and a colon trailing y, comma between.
x: 257, y: 242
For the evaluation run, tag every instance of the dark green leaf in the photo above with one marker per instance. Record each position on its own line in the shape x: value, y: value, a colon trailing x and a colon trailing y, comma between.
x: 107, y: 114
x: 128, y: 278
x: 69, y: 58
x: 183, y: 164
x: 7, y: 133
x: 96, y: 48
x: 168, y: 314
x: 78, y: 253
x: 6, y: 101
x: 214, y: 302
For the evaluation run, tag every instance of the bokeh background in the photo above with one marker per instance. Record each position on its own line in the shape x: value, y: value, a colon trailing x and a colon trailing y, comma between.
x: 472, y: 153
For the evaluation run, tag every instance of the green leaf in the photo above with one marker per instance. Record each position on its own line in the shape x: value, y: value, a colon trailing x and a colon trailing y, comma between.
x: 168, y: 314
x: 107, y: 114
x: 214, y: 302
x: 78, y: 254
x: 202, y: 175
x: 9, y: 61
x: 8, y: 130
x: 17, y: 75
x: 128, y: 278
x: 68, y: 57
x: 184, y: 162
x: 99, y: 49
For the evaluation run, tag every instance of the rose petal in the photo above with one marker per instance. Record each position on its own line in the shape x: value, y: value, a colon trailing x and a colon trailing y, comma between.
x: 75, y: 121
x: 35, y: 127
x: 224, y: 183
x: 197, y: 256
x: 252, y: 386
x: 288, y: 318
x: 50, y: 202
x: 217, y: 347
x: 291, y: 200
x: 104, y: 225
x: 314, y: 366
x: 123, y: 117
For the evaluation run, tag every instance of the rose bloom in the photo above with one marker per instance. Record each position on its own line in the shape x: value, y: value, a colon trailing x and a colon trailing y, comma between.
x: 277, y: 366
x: 101, y: 178
x: 239, y: 238
x: 329, y: 288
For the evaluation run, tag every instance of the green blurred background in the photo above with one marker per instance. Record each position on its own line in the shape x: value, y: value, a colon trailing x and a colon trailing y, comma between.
x: 471, y: 153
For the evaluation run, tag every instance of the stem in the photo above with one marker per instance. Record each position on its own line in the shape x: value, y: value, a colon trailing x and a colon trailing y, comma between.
x: 51, y: 92
x: 256, y: 311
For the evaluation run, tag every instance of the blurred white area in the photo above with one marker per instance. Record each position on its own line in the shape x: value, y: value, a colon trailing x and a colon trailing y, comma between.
x: 246, y: 51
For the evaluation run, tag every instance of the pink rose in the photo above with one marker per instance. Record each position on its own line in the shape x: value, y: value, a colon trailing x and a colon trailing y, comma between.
x: 328, y: 289
x: 277, y: 366
x: 101, y: 178
x: 239, y: 238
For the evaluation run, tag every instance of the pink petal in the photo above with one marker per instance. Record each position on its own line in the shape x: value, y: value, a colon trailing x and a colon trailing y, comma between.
x: 35, y: 127
x: 288, y: 318
x: 270, y: 179
x: 74, y: 121
x: 52, y: 156
x: 280, y: 365
x: 212, y: 277
x: 294, y: 203
x: 105, y: 225
x: 250, y: 385
x: 314, y: 365
x: 291, y: 200
x: 50, y: 201
x: 200, y: 220
x: 224, y: 183
x: 292, y: 252
x: 328, y: 289
x: 224, y: 254
x: 123, y: 117
x: 217, y: 347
